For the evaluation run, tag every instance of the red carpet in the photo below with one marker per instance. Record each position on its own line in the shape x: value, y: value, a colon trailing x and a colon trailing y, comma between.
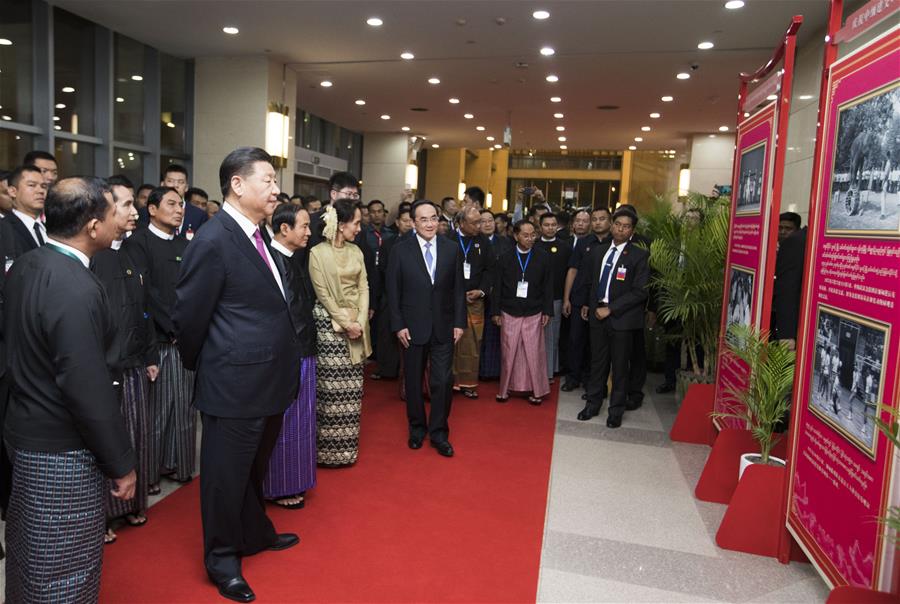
x: 399, y: 526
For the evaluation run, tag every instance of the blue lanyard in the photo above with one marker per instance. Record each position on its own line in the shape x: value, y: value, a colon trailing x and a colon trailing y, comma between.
x: 527, y: 260
x: 465, y: 249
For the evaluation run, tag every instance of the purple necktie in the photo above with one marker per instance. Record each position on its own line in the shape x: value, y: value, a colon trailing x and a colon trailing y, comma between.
x: 261, y: 247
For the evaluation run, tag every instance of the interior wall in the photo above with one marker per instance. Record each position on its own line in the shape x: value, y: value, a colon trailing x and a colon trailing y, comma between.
x: 711, y: 162
x: 446, y: 168
x: 384, y: 168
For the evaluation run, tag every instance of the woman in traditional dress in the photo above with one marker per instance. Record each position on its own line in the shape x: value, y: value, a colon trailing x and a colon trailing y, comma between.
x: 338, y: 274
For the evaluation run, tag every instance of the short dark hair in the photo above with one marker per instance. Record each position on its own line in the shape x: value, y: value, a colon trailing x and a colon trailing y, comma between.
x: 297, y: 196
x: 420, y: 203
x: 342, y: 180
x: 16, y: 175
x: 403, y: 211
x: 445, y: 200
x: 579, y: 211
x: 73, y: 202
x: 503, y: 217
x: 144, y: 187
x: 601, y: 209
x: 373, y: 202
x: 31, y: 156
x: 286, y: 213
x: 283, y: 198
x: 519, y: 224
x: 476, y: 194
x: 310, y: 199
x: 158, y: 193
x: 793, y: 217
x: 240, y: 163
x: 213, y: 201
x: 623, y: 211
x: 404, y: 205
x: 533, y: 210
x: 486, y: 211
x: 345, y: 208
x: 120, y: 180
x: 174, y: 168
x: 547, y: 216
x: 196, y: 191
x: 629, y: 207
x: 4, y: 175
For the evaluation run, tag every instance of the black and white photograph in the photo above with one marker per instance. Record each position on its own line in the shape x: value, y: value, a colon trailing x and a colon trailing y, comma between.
x: 865, y: 178
x: 847, y: 374
x: 750, y: 183
x: 740, y: 297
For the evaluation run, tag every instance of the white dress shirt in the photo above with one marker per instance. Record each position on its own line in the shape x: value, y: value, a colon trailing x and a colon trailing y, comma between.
x: 29, y: 224
x: 276, y: 245
x: 77, y: 253
x: 615, y: 250
x: 160, y: 233
x: 249, y: 228
x: 433, y: 248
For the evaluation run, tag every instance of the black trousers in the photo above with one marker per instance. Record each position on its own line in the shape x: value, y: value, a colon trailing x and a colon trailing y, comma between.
x: 234, y: 458
x: 388, y: 352
x: 637, y: 371
x: 578, y: 361
x: 610, y: 349
x: 440, y: 385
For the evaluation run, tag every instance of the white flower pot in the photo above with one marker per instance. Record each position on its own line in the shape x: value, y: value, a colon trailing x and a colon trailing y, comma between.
x: 751, y: 458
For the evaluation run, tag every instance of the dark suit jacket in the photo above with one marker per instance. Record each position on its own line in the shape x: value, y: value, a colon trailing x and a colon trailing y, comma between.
x: 299, y: 290
x: 428, y: 311
x: 628, y: 296
x: 194, y: 218
x: 234, y: 327
x: 17, y: 238
x: 788, y: 284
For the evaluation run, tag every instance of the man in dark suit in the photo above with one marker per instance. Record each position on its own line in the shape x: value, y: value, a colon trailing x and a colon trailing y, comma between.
x: 613, y: 304
x: 786, y: 292
x: 426, y: 296
x: 28, y: 191
x: 176, y: 176
x: 234, y: 328
x: 63, y: 425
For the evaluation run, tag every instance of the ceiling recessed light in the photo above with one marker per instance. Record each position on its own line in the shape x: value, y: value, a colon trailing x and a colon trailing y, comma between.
x: 561, y: 139
x: 723, y: 128
x: 479, y: 128
x: 552, y: 78
x: 555, y: 99
x: 645, y: 128
x: 407, y: 56
x: 60, y: 105
x: 120, y: 99
x: 558, y: 116
x: 5, y: 42
x: 667, y: 99
x: 805, y: 97
x: 435, y: 146
x: 563, y: 147
x: 405, y: 128
x: 468, y: 116
x: 746, y: 114
x: 734, y: 4
x: 68, y: 89
x: 55, y: 118
x: 374, y: 21
x: 683, y: 76
x: 7, y: 118
x: 57, y: 127
x: 454, y: 101
x: 705, y: 45
x: 560, y: 128
x: 434, y: 81
x: 385, y: 117
x: 489, y: 138
x: 326, y: 84
x: 170, y: 124
x: 540, y: 15
x: 654, y: 116
x: 360, y: 102
x: 137, y: 78
x: 632, y: 148
x: 498, y: 146
x: 548, y: 51
x: 638, y: 139
x: 772, y: 97
x: 231, y: 30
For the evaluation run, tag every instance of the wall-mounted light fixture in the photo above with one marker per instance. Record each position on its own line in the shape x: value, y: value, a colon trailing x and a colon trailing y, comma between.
x: 412, y: 176
x: 461, y: 191
x: 278, y: 127
x: 684, y: 181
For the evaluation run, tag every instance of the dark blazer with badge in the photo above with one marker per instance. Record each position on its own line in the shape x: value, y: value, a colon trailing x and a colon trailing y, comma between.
x: 17, y: 239
x: 627, y: 292
x: 480, y: 259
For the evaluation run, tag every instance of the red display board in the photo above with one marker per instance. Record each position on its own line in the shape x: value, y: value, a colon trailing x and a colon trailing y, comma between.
x: 841, y: 468
x: 751, y: 246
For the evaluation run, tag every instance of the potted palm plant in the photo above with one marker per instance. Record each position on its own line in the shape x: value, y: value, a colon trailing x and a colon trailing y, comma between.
x: 764, y: 400
x: 891, y: 521
x: 688, y: 261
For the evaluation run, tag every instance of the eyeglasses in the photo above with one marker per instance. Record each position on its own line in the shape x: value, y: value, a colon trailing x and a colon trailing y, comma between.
x: 347, y: 194
x: 427, y: 219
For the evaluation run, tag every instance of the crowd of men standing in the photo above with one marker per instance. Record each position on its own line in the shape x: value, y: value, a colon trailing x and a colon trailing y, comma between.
x: 128, y: 310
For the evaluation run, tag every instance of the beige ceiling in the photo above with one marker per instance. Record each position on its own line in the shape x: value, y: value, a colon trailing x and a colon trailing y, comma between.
x: 623, y: 53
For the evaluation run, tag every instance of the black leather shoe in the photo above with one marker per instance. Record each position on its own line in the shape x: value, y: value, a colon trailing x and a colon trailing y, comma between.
x: 284, y: 541
x: 632, y: 405
x: 444, y: 448
x: 236, y: 589
x: 665, y: 388
x: 588, y: 412
x: 613, y: 422
x: 569, y: 386
x: 414, y: 443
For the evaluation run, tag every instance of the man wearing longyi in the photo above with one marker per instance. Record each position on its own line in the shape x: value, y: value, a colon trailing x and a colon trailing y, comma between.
x: 234, y: 328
